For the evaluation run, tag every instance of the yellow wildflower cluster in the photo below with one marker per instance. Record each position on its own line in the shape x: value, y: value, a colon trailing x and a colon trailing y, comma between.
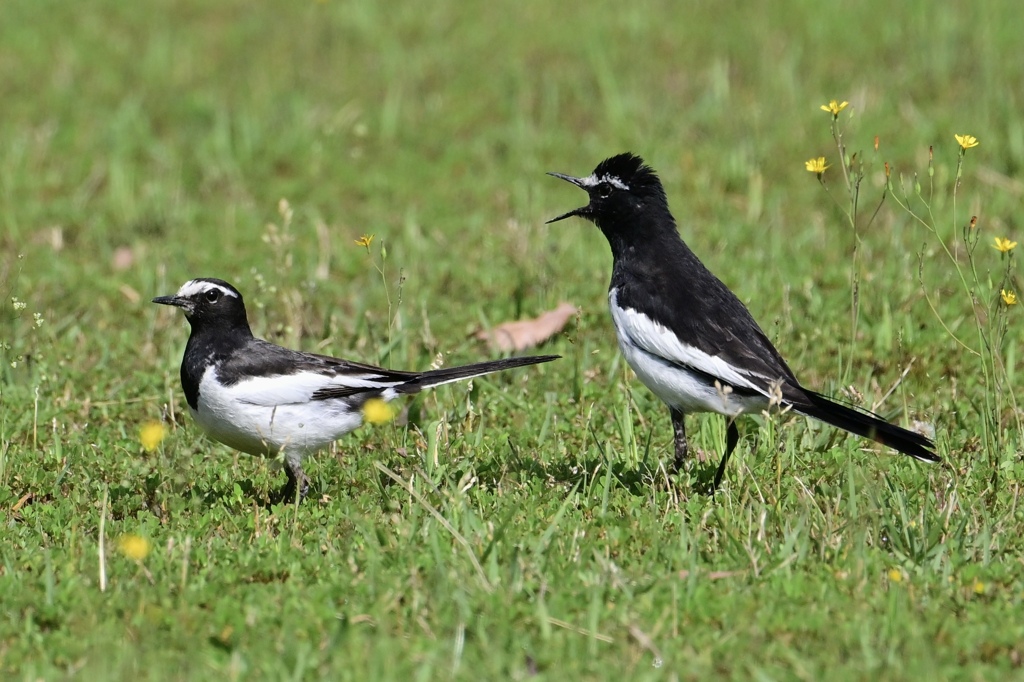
x: 151, y: 434
x: 1003, y: 245
x: 816, y: 166
x: 377, y: 411
x: 966, y: 141
x: 834, y: 107
x: 135, y: 547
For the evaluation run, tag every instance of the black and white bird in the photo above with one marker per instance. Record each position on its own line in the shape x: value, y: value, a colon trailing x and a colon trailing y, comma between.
x: 687, y: 337
x: 263, y: 399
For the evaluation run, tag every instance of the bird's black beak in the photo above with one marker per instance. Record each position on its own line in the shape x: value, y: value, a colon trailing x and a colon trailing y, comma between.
x: 581, y: 211
x: 182, y: 303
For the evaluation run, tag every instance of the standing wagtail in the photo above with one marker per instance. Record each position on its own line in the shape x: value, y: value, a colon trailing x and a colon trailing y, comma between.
x: 263, y: 399
x: 687, y: 337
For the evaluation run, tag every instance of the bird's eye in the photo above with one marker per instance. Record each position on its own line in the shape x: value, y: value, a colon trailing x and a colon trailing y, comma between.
x: 604, y: 190
x: 212, y: 295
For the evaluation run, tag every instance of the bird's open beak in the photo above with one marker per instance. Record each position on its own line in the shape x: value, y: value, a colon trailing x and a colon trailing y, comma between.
x: 581, y: 211
x: 568, y: 178
x: 182, y: 303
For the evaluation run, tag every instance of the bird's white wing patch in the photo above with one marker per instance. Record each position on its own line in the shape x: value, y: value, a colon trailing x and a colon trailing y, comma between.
x: 641, y: 331
x: 299, y: 388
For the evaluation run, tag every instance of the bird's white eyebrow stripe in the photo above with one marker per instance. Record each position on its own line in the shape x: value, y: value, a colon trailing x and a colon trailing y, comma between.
x: 198, y: 286
x: 593, y: 181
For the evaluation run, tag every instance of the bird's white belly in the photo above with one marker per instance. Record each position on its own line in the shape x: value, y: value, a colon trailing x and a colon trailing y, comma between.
x: 298, y: 429
x: 684, y: 390
x: 665, y: 372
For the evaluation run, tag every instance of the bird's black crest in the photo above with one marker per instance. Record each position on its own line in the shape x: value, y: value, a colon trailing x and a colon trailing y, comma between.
x: 630, y: 169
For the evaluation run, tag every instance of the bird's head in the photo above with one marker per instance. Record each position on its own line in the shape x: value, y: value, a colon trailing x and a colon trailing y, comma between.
x: 622, y: 189
x: 207, y: 301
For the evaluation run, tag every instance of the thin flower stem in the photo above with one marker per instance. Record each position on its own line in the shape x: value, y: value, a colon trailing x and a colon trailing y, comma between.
x: 987, y: 359
x: 935, y: 312
x: 929, y: 225
x: 885, y: 192
x: 837, y: 135
x: 853, y: 191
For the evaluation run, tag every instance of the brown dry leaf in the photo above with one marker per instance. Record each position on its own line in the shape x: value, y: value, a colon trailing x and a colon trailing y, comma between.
x: 21, y: 502
x: 123, y: 258
x: 523, y: 334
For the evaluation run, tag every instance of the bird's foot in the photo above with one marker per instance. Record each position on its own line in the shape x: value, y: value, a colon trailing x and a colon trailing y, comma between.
x: 732, y: 436
x: 679, y: 437
x: 298, y: 483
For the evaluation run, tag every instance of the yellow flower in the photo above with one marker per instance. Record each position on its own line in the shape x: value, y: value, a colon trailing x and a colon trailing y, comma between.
x: 834, y: 107
x: 895, y: 575
x: 966, y: 141
x: 134, y: 547
x: 817, y: 165
x: 1003, y: 245
x: 151, y: 434
x: 365, y: 240
x: 1009, y: 297
x: 978, y: 587
x: 376, y: 411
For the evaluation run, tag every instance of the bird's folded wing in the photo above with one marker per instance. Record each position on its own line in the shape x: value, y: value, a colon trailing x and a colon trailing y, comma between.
x: 286, y: 377
x: 658, y: 340
x: 302, y: 387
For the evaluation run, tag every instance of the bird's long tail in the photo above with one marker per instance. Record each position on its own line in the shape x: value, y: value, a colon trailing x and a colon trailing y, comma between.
x: 447, y: 375
x: 868, y: 425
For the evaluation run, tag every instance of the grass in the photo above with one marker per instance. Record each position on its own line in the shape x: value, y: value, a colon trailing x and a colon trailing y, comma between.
x: 519, y: 528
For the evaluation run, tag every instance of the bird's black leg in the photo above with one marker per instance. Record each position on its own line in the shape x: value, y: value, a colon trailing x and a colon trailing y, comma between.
x: 297, y: 481
x: 732, y: 436
x: 679, y: 431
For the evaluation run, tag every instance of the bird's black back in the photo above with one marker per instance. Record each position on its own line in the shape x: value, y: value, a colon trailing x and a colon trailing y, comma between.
x: 700, y: 310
